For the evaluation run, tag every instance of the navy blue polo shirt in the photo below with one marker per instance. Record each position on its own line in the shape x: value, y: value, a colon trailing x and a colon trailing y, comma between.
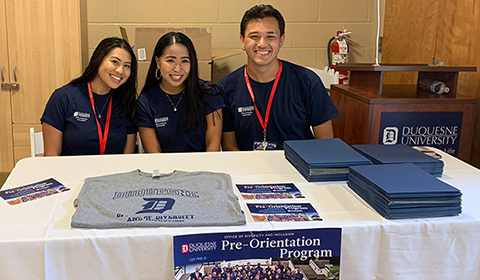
x: 70, y: 111
x: 155, y: 111
x: 300, y: 102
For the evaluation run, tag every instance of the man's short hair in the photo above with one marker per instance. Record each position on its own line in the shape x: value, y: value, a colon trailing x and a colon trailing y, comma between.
x: 260, y: 12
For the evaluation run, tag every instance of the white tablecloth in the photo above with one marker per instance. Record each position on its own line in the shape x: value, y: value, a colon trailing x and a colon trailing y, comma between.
x: 37, y: 242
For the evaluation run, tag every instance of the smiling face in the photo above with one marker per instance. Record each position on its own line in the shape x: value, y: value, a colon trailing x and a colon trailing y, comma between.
x: 113, y: 71
x: 262, y: 42
x: 174, y: 65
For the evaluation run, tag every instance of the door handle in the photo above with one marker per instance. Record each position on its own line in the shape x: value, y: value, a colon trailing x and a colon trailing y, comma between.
x: 10, y: 86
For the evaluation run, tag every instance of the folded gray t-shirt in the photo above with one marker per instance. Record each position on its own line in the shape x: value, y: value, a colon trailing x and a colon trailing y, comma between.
x: 177, y: 199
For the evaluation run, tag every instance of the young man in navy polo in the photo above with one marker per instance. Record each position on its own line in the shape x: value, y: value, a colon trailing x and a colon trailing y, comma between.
x: 269, y: 100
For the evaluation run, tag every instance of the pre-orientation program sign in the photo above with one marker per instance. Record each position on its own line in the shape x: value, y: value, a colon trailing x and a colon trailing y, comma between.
x: 303, y: 245
x: 441, y: 130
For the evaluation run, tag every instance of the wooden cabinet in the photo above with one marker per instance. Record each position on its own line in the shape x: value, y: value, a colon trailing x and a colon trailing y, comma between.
x: 40, y: 51
x: 415, y: 31
x: 366, y: 100
x: 6, y: 135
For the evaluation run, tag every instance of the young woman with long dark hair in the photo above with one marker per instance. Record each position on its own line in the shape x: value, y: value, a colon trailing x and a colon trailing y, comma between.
x: 95, y: 113
x: 178, y: 112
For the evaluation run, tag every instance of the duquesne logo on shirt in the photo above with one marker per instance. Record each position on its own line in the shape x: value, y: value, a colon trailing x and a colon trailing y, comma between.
x: 161, y: 122
x: 246, y: 111
x: 157, y: 205
x: 81, y: 116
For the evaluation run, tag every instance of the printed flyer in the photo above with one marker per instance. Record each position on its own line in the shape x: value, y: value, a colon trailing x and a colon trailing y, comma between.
x: 283, y: 212
x: 32, y: 191
x: 269, y: 191
x: 285, y: 254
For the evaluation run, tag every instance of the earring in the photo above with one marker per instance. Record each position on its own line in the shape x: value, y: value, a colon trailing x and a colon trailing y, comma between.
x: 243, y: 48
x: 158, y: 74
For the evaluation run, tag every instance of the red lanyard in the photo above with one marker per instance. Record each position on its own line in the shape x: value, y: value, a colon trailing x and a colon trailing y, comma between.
x: 270, y: 100
x: 102, y: 137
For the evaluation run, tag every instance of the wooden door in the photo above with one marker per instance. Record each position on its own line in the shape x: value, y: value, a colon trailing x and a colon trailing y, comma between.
x: 409, y: 36
x: 6, y: 138
x: 458, y: 43
x: 44, y: 46
x: 414, y: 31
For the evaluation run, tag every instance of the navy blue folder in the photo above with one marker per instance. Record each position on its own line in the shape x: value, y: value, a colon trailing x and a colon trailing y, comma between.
x: 404, y: 191
x: 388, y: 154
x: 403, y: 180
x: 323, y: 159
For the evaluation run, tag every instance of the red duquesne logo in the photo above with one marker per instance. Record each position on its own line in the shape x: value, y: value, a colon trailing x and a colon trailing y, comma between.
x: 185, y: 248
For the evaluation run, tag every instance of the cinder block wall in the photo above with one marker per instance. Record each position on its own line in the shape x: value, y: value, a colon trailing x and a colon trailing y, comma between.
x: 309, y: 25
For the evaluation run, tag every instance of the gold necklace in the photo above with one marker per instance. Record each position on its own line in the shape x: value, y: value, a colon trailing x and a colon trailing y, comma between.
x: 174, y: 106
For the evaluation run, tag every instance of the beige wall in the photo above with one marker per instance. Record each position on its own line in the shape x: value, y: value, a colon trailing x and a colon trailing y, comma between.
x: 309, y: 25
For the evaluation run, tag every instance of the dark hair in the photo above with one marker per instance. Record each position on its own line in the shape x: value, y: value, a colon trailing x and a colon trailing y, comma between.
x: 259, y: 12
x: 194, y: 93
x: 127, y: 92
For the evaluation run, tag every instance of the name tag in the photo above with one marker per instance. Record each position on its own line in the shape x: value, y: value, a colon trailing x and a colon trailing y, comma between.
x: 264, y: 145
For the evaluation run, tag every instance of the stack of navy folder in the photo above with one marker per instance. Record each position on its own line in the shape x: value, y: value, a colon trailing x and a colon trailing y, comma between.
x: 383, y: 154
x: 323, y: 159
x: 404, y: 191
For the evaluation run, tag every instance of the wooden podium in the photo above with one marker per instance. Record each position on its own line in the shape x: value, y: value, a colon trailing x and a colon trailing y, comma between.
x: 362, y: 102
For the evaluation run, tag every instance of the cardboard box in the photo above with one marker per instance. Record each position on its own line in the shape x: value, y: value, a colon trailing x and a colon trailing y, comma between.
x: 146, y: 38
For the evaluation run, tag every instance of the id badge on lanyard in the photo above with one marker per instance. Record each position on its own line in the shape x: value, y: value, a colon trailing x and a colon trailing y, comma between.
x: 264, y: 145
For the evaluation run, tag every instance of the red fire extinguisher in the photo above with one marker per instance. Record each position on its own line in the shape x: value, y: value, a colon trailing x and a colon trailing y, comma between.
x: 339, y: 54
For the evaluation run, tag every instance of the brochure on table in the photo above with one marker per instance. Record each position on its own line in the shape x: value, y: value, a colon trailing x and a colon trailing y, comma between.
x: 316, y: 249
x: 269, y: 191
x: 283, y: 212
x: 32, y: 191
